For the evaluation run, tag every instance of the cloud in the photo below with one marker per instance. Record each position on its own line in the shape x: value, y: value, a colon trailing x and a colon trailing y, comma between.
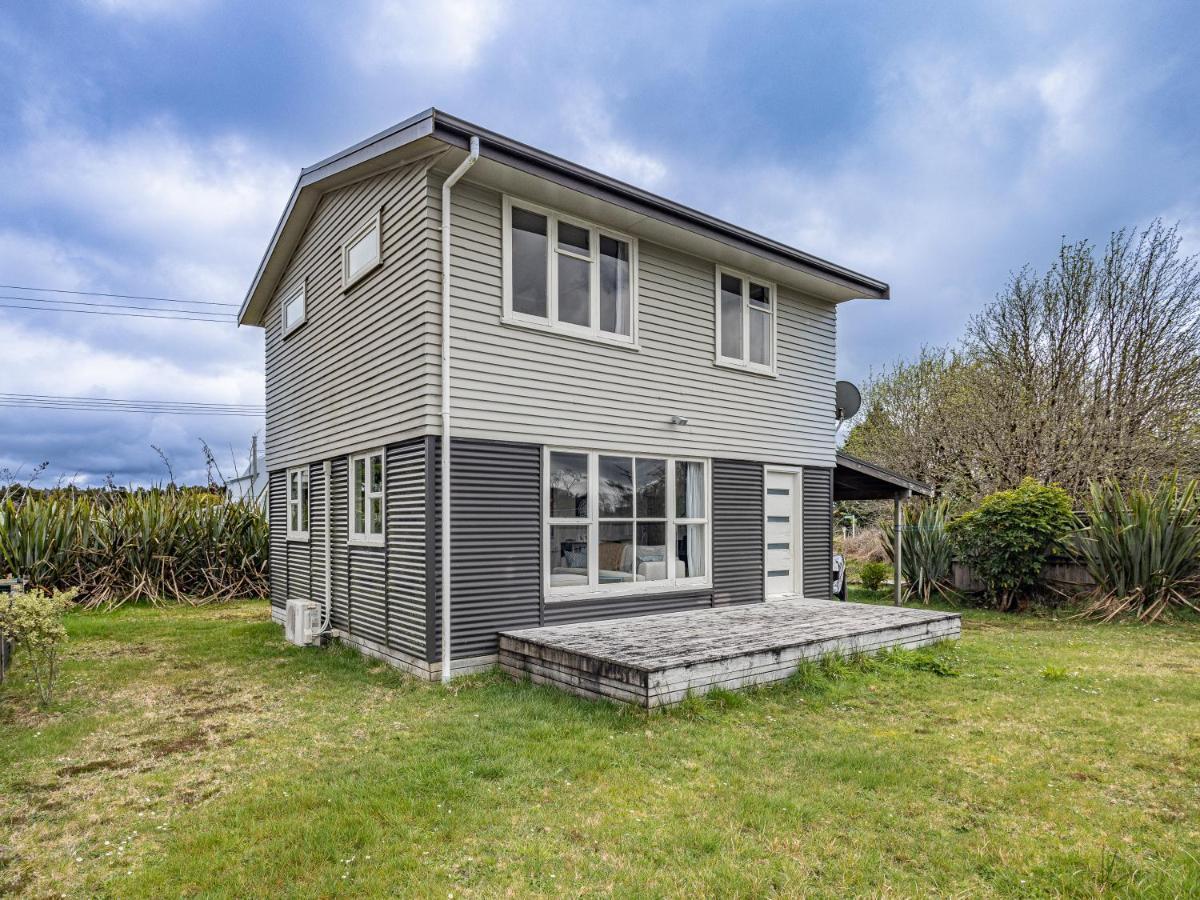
x: 586, y: 118
x: 448, y: 36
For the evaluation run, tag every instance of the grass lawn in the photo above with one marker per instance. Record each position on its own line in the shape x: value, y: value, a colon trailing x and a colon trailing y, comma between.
x: 194, y: 752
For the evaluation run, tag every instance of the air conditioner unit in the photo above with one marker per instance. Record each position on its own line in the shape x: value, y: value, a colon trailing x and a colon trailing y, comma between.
x: 303, y: 622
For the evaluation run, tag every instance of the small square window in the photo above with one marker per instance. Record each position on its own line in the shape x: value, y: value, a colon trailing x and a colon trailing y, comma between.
x: 361, y: 253
x: 366, y: 498
x: 745, y: 323
x: 294, y: 314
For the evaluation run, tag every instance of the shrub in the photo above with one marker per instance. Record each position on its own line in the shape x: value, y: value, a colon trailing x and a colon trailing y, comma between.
x: 874, y: 574
x: 155, y: 545
x: 33, y: 621
x: 866, y: 546
x: 927, y: 554
x: 1142, y: 548
x: 1007, y: 538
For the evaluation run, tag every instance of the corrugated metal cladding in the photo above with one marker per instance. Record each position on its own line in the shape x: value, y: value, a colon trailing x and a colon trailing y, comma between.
x: 277, y: 570
x: 389, y: 594
x: 737, y: 491
x: 817, y: 498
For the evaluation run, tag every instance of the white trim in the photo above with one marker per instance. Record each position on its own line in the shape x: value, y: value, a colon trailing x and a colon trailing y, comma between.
x: 300, y: 502
x: 374, y: 222
x: 550, y: 322
x: 797, y: 474
x: 593, y: 589
x: 367, y: 537
x: 744, y: 364
x: 297, y: 294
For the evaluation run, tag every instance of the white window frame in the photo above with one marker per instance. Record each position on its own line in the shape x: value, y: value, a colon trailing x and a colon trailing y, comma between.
x: 367, y: 537
x: 593, y: 588
x: 301, y: 503
x: 744, y: 363
x: 297, y: 294
x: 550, y: 322
x: 351, y: 278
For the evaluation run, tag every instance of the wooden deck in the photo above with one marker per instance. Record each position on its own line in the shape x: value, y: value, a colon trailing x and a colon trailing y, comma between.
x: 658, y: 660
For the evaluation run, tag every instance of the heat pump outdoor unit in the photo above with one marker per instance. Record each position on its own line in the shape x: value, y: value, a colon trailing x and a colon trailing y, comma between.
x: 303, y: 624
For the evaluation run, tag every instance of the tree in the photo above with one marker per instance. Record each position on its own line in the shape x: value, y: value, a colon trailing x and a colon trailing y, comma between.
x: 1090, y: 370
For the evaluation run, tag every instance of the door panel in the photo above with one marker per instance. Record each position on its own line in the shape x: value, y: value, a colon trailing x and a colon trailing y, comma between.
x: 782, y: 532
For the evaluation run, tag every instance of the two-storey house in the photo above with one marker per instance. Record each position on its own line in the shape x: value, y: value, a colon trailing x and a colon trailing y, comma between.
x: 638, y: 398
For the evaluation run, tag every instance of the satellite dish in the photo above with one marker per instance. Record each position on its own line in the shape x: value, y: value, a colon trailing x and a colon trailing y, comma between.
x: 849, y: 400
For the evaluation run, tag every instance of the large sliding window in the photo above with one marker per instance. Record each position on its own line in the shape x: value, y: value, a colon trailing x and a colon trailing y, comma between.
x: 745, y: 322
x: 567, y: 275
x: 366, y: 498
x: 623, y: 523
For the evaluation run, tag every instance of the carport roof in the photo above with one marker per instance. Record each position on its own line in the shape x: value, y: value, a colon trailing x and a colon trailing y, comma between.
x: 857, y: 479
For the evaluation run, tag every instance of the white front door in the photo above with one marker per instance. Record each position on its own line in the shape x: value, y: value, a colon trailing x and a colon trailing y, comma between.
x: 782, y: 532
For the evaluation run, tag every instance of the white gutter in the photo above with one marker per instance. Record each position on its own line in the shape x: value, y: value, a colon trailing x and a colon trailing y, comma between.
x: 445, y: 460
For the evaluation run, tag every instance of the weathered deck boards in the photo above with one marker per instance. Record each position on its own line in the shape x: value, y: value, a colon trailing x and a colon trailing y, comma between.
x: 658, y: 660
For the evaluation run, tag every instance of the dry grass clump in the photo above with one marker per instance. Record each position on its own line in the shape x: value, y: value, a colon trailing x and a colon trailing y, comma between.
x: 866, y: 546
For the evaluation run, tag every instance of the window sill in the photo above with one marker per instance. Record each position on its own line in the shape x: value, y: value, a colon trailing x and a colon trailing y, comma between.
x: 570, y: 595
x: 366, y: 542
x: 347, y: 285
x: 746, y: 369
x: 288, y: 332
x: 617, y: 343
x: 298, y: 538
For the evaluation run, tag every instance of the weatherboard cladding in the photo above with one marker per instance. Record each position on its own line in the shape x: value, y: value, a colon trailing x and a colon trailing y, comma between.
x: 361, y: 370
x: 520, y: 384
x: 817, y: 533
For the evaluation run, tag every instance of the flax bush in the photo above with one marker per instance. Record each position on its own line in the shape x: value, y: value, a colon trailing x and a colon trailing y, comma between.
x: 1142, y: 547
x: 33, y: 621
x: 927, y: 554
x: 157, y: 545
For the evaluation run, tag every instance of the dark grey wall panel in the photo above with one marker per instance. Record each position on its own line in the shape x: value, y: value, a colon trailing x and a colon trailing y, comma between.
x: 277, y: 547
x: 620, y: 607
x: 316, y: 531
x: 406, y: 549
x: 497, y: 538
x: 368, y: 593
x: 339, y: 498
x: 817, y: 498
x: 737, y: 524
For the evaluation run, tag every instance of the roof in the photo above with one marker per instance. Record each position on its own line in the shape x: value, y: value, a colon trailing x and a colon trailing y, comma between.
x: 857, y: 479
x: 434, y: 130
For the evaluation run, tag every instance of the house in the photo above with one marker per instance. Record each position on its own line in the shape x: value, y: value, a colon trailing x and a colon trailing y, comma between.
x: 639, y: 398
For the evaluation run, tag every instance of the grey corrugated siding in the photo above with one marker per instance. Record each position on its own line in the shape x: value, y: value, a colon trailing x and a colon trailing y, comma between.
x: 277, y: 564
x: 518, y: 384
x: 362, y: 370
x: 368, y: 593
x: 496, y: 532
x: 619, y: 607
x: 817, y: 498
x: 737, y: 496
x: 406, y: 549
x: 316, y: 531
x: 339, y: 514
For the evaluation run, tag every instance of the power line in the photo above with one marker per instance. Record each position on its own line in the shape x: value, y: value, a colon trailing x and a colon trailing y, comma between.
x: 218, y: 317
x: 41, y: 290
x: 9, y: 396
x: 108, y: 404
x: 98, y: 312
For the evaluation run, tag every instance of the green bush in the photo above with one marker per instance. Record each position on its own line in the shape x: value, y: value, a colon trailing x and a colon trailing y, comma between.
x: 1142, y: 547
x: 1008, y: 537
x: 156, y: 545
x: 927, y: 554
x: 33, y: 621
x: 874, y: 574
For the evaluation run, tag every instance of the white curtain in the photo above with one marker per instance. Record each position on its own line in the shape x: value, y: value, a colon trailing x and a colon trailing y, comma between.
x: 694, y: 509
x: 622, y: 296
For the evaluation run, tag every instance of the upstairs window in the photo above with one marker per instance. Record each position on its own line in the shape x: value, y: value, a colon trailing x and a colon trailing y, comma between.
x: 366, y: 498
x: 360, y: 254
x: 745, y: 322
x: 293, y: 311
x: 297, y: 504
x: 567, y: 275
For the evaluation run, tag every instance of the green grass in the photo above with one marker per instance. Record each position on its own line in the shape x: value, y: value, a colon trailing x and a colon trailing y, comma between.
x: 194, y: 752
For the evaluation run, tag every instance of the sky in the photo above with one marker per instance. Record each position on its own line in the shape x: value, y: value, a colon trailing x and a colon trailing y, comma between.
x: 147, y: 147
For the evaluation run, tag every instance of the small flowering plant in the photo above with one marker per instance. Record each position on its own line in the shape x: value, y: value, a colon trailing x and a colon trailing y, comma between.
x: 33, y: 621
